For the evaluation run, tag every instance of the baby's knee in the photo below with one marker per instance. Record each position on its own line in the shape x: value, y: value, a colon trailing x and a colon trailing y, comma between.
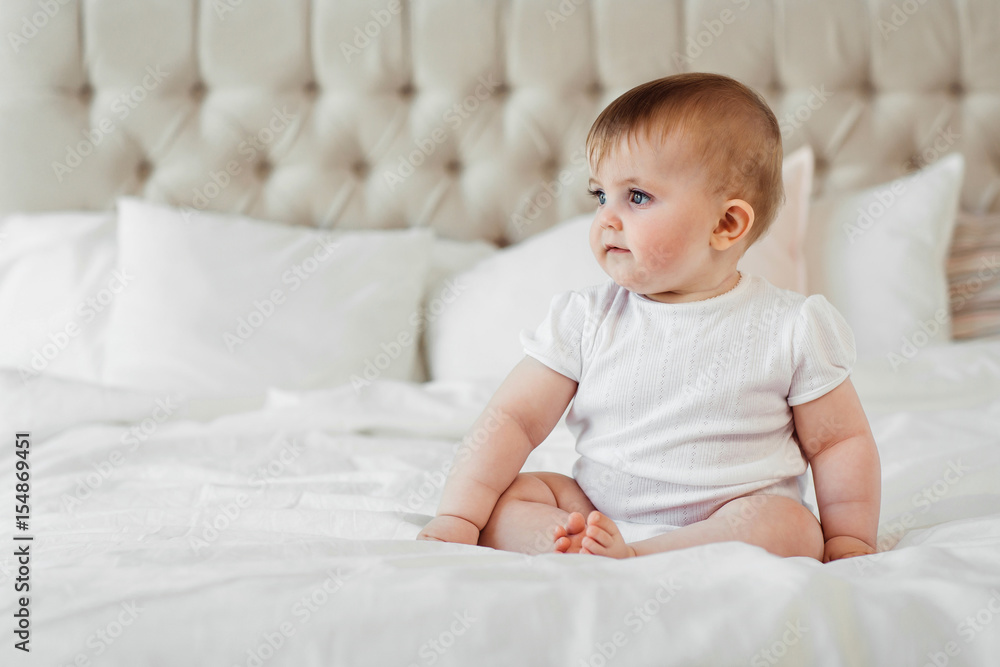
x: 780, y: 524
x: 798, y: 531
x: 527, y: 486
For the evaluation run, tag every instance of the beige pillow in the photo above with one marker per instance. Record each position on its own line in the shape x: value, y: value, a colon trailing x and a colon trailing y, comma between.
x: 974, y: 276
x: 779, y: 255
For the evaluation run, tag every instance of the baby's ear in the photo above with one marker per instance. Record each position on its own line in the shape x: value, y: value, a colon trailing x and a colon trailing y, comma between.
x: 736, y: 221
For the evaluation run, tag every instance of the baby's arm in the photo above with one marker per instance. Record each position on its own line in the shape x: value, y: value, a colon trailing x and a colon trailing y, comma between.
x: 834, y: 433
x: 520, y: 415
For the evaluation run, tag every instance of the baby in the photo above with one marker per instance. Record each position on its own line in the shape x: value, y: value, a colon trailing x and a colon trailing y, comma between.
x: 699, y: 393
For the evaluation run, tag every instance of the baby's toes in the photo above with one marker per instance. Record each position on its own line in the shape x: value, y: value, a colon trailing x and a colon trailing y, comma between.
x: 602, y: 524
x: 575, y: 523
x: 595, y: 546
x: 598, y: 536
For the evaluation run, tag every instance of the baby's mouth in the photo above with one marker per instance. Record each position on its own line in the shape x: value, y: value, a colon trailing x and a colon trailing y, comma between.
x: 614, y: 250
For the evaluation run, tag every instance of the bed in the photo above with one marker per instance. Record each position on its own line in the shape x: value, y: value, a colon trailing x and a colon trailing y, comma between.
x: 263, y: 264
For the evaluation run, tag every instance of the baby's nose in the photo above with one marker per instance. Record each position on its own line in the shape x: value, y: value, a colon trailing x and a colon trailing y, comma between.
x: 610, y: 221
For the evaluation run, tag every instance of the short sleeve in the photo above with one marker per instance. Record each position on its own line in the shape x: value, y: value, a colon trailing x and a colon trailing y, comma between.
x: 823, y: 351
x: 558, y: 340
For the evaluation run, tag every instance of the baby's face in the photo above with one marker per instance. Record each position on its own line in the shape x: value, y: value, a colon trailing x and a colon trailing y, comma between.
x: 655, y: 217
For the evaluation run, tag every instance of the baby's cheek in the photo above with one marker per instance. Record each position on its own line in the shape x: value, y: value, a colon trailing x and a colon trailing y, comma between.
x: 661, y: 256
x: 596, y: 247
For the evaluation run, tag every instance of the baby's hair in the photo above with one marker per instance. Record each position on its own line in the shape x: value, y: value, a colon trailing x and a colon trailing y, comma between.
x: 729, y: 125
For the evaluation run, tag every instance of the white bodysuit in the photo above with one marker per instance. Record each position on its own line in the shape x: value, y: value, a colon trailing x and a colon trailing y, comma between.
x: 683, y: 407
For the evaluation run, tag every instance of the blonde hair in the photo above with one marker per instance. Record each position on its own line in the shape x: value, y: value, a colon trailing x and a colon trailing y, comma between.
x: 729, y: 128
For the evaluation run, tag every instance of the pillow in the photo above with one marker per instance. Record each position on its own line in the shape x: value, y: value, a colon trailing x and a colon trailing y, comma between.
x: 779, y: 256
x: 227, y: 306
x: 878, y: 256
x: 476, y: 337
x: 448, y: 257
x: 57, y: 282
x: 974, y: 277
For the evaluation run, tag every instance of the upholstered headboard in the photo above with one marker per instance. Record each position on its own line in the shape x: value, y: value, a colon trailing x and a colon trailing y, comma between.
x: 467, y: 116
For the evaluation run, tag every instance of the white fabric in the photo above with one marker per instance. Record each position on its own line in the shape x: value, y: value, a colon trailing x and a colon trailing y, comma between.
x: 325, y: 549
x: 229, y: 306
x: 683, y: 407
x: 636, y: 531
x: 879, y: 256
x: 60, y: 269
x: 448, y: 258
x: 58, y: 281
x: 475, y: 338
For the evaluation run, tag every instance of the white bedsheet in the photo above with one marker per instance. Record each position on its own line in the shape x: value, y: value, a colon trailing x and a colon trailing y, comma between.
x: 283, y: 535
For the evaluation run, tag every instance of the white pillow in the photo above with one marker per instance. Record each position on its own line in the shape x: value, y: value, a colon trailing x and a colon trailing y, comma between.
x: 227, y: 306
x: 448, y: 258
x: 779, y: 256
x: 476, y: 337
x: 878, y: 256
x: 57, y: 282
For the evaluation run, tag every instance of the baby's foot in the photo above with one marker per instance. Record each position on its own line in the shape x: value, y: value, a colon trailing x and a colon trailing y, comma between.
x: 569, y: 536
x: 602, y: 538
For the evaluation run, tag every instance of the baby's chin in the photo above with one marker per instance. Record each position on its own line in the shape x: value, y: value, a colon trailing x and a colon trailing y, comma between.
x: 630, y: 282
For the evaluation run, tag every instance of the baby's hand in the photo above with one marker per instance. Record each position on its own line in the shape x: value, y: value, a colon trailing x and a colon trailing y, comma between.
x: 844, y: 546
x: 450, y: 529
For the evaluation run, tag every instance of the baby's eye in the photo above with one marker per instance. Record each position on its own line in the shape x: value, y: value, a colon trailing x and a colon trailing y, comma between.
x: 597, y: 194
x: 637, y: 197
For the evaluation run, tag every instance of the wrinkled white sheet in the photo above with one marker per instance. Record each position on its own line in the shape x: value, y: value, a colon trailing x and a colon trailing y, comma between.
x: 283, y: 535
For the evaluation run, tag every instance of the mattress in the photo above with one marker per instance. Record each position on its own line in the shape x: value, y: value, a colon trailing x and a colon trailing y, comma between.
x: 168, y: 532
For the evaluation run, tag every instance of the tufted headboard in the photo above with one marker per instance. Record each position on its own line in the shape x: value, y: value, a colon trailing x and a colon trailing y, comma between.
x: 466, y: 116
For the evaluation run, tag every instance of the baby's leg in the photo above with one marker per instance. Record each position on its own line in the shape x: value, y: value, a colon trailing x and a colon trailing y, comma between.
x: 779, y: 524
x: 529, y: 511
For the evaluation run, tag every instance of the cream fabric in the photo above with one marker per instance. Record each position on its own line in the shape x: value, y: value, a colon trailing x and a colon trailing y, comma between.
x: 297, y: 110
x: 974, y: 277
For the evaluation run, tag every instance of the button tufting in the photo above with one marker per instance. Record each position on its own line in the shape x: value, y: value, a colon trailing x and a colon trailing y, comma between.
x: 956, y: 89
x: 407, y: 90
x: 263, y: 169
x: 198, y: 90
x: 86, y: 93
x: 143, y: 170
x: 453, y: 166
x: 360, y: 168
x: 312, y: 88
x: 595, y: 89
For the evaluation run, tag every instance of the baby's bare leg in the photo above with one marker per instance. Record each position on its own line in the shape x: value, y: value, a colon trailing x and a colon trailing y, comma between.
x: 780, y: 525
x: 528, y: 512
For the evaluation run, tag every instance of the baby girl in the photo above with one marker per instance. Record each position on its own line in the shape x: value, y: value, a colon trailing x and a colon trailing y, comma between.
x: 699, y: 393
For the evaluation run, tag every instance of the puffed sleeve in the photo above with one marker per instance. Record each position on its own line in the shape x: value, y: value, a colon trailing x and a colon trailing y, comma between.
x: 558, y: 340
x: 823, y: 351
